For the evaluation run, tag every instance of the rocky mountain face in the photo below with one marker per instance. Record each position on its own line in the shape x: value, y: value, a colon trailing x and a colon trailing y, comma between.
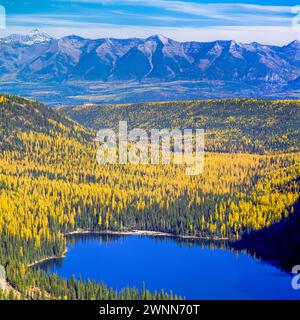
x: 39, y: 57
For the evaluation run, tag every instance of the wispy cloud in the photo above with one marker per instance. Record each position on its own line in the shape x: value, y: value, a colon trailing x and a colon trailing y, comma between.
x: 181, y: 20
x: 63, y: 19
x: 246, y: 34
x: 217, y: 11
x: 190, y: 13
x: 193, y: 7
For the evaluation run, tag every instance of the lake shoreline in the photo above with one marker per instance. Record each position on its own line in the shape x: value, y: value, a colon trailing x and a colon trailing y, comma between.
x: 63, y: 255
x: 98, y: 257
x: 133, y: 232
x: 138, y: 232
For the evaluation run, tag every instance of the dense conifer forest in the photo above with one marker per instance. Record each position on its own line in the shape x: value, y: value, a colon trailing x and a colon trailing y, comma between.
x: 233, y: 125
x: 51, y: 184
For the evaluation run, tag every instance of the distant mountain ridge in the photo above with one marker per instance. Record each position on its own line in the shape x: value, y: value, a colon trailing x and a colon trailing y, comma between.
x: 40, y: 57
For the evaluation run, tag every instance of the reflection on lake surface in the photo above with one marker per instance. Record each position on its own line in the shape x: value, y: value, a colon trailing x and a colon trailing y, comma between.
x: 191, y: 268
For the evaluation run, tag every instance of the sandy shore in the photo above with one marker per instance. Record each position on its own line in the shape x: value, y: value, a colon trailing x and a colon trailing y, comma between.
x: 127, y: 233
x: 136, y: 232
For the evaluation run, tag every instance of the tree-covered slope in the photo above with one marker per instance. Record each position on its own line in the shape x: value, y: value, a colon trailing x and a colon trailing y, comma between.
x: 47, y: 164
x: 235, y: 125
x: 22, y: 115
x: 51, y: 184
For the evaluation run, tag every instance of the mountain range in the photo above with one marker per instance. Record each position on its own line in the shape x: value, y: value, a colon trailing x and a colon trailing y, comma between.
x: 40, y: 57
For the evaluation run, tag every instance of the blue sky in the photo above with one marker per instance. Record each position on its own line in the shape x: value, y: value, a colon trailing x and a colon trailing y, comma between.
x: 183, y: 20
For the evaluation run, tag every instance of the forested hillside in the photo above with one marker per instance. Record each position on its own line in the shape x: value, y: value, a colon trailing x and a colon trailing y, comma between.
x: 234, y: 125
x: 51, y: 184
x: 18, y: 114
x: 41, y: 154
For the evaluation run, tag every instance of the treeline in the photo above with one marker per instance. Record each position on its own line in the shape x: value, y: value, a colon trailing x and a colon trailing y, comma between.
x: 35, y: 284
x: 279, y: 243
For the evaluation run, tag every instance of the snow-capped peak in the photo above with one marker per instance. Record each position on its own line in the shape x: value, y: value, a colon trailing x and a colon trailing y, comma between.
x: 294, y: 44
x: 37, y: 36
x: 164, y: 40
x: 34, y: 36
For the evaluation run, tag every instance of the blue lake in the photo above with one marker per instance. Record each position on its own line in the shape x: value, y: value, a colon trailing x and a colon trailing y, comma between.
x: 190, y: 268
